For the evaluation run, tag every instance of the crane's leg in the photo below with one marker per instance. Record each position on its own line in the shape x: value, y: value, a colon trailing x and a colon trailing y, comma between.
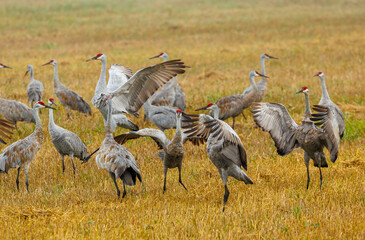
x: 124, y: 191
x: 73, y: 164
x: 306, y: 161
x: 244, y: 116
x: 224, y: 177
x: 112, y: 175
x: 63, y: 163
x: 68, y: 112
x: 164, y: 180
x: 179, y: 167
x: 26, y: 168
x: 320, y: 174
x: 31, y: 103
x: 233, y: 123
x: 17, y: 179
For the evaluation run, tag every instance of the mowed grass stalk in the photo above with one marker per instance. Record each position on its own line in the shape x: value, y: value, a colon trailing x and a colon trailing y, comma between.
x: 222, y: 42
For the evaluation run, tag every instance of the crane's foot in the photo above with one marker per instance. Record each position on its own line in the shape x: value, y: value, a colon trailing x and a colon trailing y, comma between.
x: 124, y: 192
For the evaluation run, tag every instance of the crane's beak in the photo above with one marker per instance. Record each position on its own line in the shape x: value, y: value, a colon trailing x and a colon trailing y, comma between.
x: 272, y: 57
x: 7, y: 67
x: 155, y: 56
x: 90, y: 59
x: 53, y: 103
x: 316, y: 75
x: 46, y: 64
x: 26, y: 73
x: 262, y: 75
x: 203, y: 108
x: 300, y: 91
x: 46, y: 106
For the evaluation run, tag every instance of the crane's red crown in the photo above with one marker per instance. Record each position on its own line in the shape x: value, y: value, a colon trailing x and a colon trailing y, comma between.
x: 161, y: 53
x: 266, y: 54
x: 107, y: 98
x: 99, y: 54
x: 51, y: 61
x: 41, y: 103
x: 304, y: 88
x: 257, y: 72
x: 320, y: 73
x: 210, y: 104
x: 178, y: 111
x: 51, y: 99
x: 1, y: 64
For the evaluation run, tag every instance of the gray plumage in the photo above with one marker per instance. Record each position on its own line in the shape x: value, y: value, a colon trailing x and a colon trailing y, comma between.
x: 14, y: 111
x: 34, y: 88
x: 6, y: 128
x: 163, y: 117
x: 70, y: 99
x: 66, y: 142
x: 173, y: 151
x: 21, y: 153
x: 233, y: 106
x: 327, y: 102
x: 224, y: 147
x: 287, y: 135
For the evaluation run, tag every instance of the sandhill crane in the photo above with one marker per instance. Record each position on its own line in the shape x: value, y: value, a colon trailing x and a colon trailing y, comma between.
x: 287, y: 135
x: 115, y: 158
x: 173, y: 151
x: 66, y: 142
x: 262, y: 84
x: 171, y: 94
x: 224, y: 147
x: 34, y: 88
x: 68, y: 98
x: 336, y: 111
x: 21, y: 153
x: 232, y: 106
x: 118, y: 76
x: 4, y: 66
x: 5, y: 129
x: 163, y: 117
x: 14, y: 111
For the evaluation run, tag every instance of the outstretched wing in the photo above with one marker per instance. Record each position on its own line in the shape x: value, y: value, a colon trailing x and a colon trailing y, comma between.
x: 134, y: 93
x: 157, y: 135
x: 275, y: 119
x: 326, y: 116
x: 118, y: 76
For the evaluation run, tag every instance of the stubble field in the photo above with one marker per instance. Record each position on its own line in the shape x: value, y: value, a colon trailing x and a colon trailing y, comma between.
x: 222, y: 42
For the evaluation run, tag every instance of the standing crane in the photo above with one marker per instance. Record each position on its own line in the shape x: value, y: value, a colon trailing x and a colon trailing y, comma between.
x: 327, y: 102
x: 118, y: 76
x: 287, y: 135
x: 21, y: 153
x: 14, y: 111
x: 66, y: 142
x: 232, y: 106
x: 262, y: 84
x: 224, y: 147
x: 34, y: 88
x: 171, y: 94
x: 173, y: 151
x: 115, y: 158
x: 68, y: 98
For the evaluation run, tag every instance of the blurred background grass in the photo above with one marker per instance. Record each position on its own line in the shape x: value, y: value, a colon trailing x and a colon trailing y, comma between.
x: 222, y: 41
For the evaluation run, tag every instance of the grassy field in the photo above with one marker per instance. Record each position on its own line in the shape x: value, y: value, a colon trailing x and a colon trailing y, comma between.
x: 222, y: 41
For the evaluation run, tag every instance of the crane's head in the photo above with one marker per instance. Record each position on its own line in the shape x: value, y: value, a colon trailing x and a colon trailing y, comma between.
x: 41, y: 104
x: 257, y: 74
x: 210, y: 106
x: 267, y: 56
x: 162, y: 55
x: 304, y: 90
x: 29, y: 68
x: 51, y: 102
x: 319, y: 74
x: 178, y: 113
x: 3, y: 66
x: 98, y: 56
x: 51, y: 62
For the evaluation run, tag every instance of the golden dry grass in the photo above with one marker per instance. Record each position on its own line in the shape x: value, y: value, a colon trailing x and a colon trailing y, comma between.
x: 222, y: 42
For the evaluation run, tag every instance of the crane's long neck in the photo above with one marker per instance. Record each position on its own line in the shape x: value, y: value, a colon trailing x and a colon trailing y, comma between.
x: 108, y: 126
x: 31, y: 74
x: 263, y: 66
x: 307, y: 113
x: 38, y: 132
x: 56, y: 80
x: 216, y: 113
x: 178, y: 125
x: 253, y: 83
x: 101, y: 86
x: 51, y: 124
x: 325, y: 95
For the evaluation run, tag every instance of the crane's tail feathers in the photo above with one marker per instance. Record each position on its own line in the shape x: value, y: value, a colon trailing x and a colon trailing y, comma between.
x: 129, y: 177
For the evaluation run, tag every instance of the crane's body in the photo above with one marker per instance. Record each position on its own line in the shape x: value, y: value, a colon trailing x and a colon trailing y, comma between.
x: 287, y: 135
x: 21, y: 153
x: 224, y: 147
x: 15, y: 111
x: 115, y: 158
x: 327, y: 102
x: 6, y: 128
x: 163, y: 117
x: 233, y: 106
x: 66, y: 142
x: 262, y: 84
x: 70, y: 99
x: 34, y: 88
x: 173, y: 151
